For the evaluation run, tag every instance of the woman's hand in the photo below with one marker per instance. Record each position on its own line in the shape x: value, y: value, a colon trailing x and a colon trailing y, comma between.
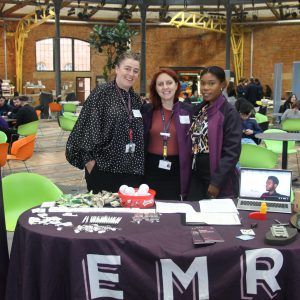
x: 213, y: 191
x: 90, y: 165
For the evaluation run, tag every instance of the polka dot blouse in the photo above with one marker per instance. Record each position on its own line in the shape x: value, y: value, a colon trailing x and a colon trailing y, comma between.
x: 102, y: 132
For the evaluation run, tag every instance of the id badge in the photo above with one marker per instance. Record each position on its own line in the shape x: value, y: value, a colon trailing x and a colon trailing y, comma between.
x: 184, y: 119
x: 165, y: 164
x: 130, y: 148
x: 136, y: 113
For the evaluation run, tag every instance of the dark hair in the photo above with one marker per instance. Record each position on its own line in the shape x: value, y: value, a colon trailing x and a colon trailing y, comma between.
x: 246, y: 108
x: 239, y: 102
x: 290, y: 97
x: 215, y: 70
x: 231, y: 89
x: 22, y: 98
x: 296, y: 105
x: 2, y: 97
x: 127, y: 55
x: 154, y: 97
x: 274, y: 179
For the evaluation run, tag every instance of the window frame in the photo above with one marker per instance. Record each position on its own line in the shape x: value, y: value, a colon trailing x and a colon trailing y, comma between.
x: 72, y: 53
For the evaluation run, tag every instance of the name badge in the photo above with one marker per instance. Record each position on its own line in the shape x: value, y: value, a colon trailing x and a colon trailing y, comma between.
x: 165, y: 164
x: 130, y: 148
x: 166, y: 134
x: 184, y: 119
x: 136, y: 113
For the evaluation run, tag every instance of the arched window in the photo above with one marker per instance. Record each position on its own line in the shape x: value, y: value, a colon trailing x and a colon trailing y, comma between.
x: 44, y: 55
x: 75, y: 55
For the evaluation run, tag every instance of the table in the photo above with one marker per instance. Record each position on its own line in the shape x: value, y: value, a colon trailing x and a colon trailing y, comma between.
x: 149, y: 261
x: 280, y: 136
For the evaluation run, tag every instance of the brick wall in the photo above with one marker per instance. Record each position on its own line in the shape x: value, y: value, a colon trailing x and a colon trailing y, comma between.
x: 168, y: 46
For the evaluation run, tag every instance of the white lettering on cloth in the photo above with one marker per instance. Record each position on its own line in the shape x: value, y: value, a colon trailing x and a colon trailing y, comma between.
x: 264, y: 278
x: 198, y: 267
x: 96, y: 275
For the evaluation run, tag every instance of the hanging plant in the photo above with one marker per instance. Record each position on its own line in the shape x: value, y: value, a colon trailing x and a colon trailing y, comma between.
x: 113, y: 40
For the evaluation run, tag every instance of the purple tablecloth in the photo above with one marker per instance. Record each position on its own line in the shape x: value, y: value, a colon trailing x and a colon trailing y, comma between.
x: 150, y: 261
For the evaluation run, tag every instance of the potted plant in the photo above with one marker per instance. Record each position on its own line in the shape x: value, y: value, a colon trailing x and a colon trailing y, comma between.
x: 113, y: 40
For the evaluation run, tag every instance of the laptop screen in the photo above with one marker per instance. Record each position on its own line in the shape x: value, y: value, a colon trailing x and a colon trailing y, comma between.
x: 266, y: 184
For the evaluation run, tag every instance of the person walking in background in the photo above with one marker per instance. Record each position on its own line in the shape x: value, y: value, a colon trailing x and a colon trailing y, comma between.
x: 252, y: 92
x: 267, y: 92
x: 107, y: 139
x: 292, y: 113
x: 241, y: 88
x: 216, y: 141
x: 168, y: 145
x: 231, y: 93
x: 259, y: 89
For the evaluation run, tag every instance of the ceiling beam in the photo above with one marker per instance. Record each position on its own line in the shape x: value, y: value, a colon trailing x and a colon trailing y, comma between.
x: 271, y: 6
x: 16, y: 7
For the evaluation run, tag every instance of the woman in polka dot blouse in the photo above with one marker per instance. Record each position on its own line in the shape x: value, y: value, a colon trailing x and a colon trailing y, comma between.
x: 107, y: 139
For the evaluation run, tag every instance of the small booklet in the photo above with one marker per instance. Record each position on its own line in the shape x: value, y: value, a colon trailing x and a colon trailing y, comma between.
x: 204, y: 235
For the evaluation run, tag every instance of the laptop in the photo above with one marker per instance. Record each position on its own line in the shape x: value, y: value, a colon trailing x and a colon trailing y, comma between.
x: 265, y: 185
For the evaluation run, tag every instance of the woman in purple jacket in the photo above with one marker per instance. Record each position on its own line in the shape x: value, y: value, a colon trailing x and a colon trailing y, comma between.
x: 216, y: 141
x: 167, y: 141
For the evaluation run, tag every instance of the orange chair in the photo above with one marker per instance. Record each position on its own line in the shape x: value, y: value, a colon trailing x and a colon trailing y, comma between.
x: 3, y: 153
x: 54, y: 108
x: 38, y: 113
x: 22, y: 150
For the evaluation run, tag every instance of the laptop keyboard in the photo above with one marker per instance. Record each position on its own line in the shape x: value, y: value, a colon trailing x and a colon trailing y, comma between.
x: 269, y: 204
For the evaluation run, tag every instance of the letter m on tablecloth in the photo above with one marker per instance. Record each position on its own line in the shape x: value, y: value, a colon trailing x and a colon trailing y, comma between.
x: 198, y: 270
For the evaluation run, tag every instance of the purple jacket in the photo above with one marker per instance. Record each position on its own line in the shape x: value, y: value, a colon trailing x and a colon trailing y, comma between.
x: 224, y: 138
x: 3, y: 123
x: 183, y: 137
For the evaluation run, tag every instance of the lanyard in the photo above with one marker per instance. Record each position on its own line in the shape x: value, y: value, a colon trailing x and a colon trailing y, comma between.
x: 128, y: 110
x: 166, y: 129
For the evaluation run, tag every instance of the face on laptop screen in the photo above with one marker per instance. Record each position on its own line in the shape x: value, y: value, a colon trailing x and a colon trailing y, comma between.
x: 265, y: 184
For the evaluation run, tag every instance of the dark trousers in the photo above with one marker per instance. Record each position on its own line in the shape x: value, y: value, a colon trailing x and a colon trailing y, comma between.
x: 98, y: 180
x: 166, y: 183
x: 200, y: 179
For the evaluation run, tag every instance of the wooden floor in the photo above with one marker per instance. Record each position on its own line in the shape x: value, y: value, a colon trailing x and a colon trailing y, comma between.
x: 49, y: 160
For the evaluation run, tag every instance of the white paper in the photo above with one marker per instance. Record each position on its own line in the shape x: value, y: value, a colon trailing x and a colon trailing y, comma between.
x: 213, y: 218
x: 218, y: 206
x: 170, y: 208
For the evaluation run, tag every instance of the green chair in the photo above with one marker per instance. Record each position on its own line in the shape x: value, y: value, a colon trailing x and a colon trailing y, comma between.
x: 276, y: 146
x: 260, y: 118
x: 28, y: 128
x: 22, y: 191
x: 70, y: 115
x: 66, y: 124
x: 69, y: 107
x: 3, y: 137
x: 262, y: 121
x: 253, y: 156
x: 291, y: 125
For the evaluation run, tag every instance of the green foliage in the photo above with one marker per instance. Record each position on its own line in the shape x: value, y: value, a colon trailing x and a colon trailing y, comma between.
x: 113, y: 40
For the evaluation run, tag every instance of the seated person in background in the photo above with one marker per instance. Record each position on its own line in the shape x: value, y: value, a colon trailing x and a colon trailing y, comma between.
x: 4, y: 107
x: 186, y: 98
x: 293, y: 113
x: 25, y: 113
x: 4, y: 127
x: 249, y: 125
x: 288, y: 103
x: 271, y: 185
